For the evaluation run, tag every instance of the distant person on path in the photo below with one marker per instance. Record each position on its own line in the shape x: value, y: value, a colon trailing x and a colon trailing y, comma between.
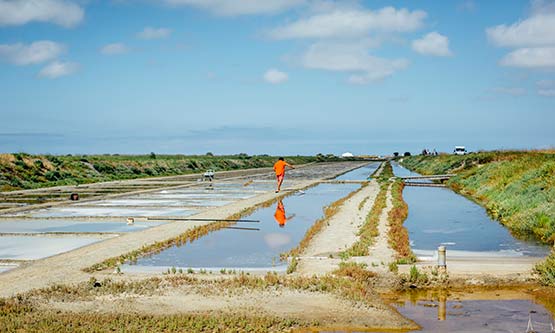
x: 279, y: 168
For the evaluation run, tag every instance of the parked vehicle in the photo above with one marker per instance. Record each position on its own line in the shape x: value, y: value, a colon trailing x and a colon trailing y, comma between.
x: 460, y: 150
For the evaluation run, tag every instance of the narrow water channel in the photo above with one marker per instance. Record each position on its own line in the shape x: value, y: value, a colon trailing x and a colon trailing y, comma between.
x: 362, y: 173
x: 439, y: 216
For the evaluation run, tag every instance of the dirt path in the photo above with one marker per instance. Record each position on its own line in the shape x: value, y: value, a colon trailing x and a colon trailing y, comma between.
x: 340, y: 233
x: 381, y: 254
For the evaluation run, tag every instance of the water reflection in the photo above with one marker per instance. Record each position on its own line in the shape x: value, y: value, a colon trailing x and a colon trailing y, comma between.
x: 280, y: 216
x: 280, y: 230
x: 499, y: 311
x: 439, y: 216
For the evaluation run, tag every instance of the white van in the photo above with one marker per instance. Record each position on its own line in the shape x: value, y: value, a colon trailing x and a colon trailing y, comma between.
x: 460, y: 150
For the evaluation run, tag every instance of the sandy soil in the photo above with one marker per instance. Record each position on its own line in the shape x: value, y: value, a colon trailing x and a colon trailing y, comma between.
x: 381, y: 254
x: 339, y: 234
x: 327, y: 309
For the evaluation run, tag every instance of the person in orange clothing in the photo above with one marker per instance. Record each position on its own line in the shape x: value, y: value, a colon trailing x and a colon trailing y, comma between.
x: 279, y: 168
x: 280, y: 216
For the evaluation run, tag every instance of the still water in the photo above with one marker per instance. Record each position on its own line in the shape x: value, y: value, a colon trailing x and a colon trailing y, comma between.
x: 439, y: 216
x: 281, y: 228
x: 360, y: 173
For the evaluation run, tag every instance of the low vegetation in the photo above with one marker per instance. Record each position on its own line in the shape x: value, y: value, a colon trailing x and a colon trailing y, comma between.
x: 24, y: 171
x: 369, y: 230
x: 517, y: 188
x: 398, y: 234
x: 546, y: 270
x: 23, y: 313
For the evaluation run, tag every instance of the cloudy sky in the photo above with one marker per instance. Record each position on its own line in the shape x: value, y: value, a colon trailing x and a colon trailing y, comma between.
x: 275, y: 76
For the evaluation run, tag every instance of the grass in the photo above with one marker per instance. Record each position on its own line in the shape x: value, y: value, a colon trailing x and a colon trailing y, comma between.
x: 24, y: 171
x: 21, y: 313
x: 386, y: 174
x: 292, y: 267
x: 546, y: 270
x: 38, y: 321
x: 517, y: 188
x: 398, y: 234
x: 369, y: 229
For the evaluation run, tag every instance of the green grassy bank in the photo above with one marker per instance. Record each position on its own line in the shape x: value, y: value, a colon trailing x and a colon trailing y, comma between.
x: 516, y: 187
x: 24, y: 171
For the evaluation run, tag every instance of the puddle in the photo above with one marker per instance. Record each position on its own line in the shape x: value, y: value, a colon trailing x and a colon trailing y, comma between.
x: 7, y: 267
x: 281, y: 228
x: 76, y: 211
x: 361, y: 173
x: 439, y: 216
x: 500, y: 311
x: 43, y: 226
x: 158, y: 203
x: 32, y: 248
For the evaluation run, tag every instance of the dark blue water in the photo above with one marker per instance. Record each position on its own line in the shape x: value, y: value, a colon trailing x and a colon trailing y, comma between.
x: 439, y: 216
x: 229, y: 248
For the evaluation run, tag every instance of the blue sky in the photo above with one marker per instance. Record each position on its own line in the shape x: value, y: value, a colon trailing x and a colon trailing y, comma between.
x: 275, y: 76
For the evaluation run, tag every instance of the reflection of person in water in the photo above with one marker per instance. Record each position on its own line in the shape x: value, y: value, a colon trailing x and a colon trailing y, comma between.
x: 280, y: 216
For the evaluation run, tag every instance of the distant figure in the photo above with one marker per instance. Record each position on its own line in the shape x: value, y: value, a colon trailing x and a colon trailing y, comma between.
x: 279, y: 168
x: 74, y: 197
x: 280, y: 216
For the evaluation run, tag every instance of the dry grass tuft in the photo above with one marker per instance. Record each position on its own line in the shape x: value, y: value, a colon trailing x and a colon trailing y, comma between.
x: 398, y: 234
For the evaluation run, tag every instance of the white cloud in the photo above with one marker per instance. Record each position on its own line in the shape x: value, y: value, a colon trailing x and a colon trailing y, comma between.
x: 58, y: 69
x: 239, y: 7
x: 467, y: 6
x: 546, y: 92
x: 433, y: 44
x: 546, y: 88
x: 351, y: 23
x: 546, y: 84
x: 513, y: 91
x: 275, y: 76
x: 154, y: 33
x: 275, y: 240
x: 19, y: 12
x: 542, y: 6
x: 537, y: 30
x: 351, y: 58
x: 114, y: 48
x: 539, y: 57
x: 34, y: 53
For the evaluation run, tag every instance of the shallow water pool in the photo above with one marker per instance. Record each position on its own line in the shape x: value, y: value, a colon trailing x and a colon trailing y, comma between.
x: 45, y: 226
x: 32, y: 248
x: 361, y: 173
x: 281, y: 228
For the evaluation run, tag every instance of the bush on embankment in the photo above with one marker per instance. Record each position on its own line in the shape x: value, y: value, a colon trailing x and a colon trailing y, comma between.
x: 24, y: 171
x: 516, y: 187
